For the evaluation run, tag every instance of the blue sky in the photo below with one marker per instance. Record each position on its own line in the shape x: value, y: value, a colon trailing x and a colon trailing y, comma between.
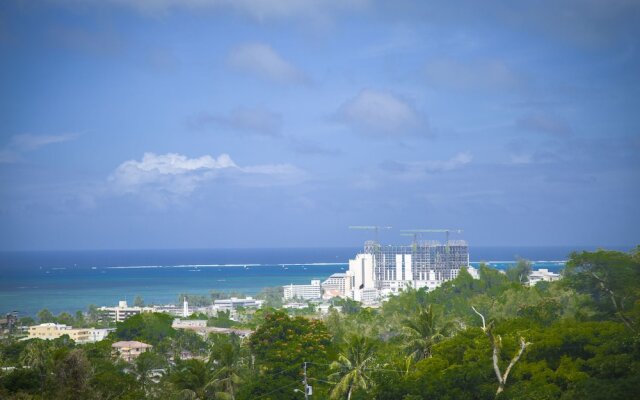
x: 219, y: 123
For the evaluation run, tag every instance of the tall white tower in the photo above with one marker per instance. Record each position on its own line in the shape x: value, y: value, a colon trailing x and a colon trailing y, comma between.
x: 185, y: 308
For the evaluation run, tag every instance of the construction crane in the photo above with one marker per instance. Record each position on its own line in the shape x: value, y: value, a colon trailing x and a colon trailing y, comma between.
x: 370, y: 228
x: 446, y: 231
x: 417, y: 231
x: 414, y: 243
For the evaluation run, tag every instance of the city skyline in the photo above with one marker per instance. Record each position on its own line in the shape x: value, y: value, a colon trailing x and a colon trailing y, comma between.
x: 219, y: 124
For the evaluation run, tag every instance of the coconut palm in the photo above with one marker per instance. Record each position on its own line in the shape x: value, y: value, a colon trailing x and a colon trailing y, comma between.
x: 422, y: 332
x: 36, y: 356
x: 228, y: 363
x: 146, y: 368
x: 191, y: 378
x: 351, y: 369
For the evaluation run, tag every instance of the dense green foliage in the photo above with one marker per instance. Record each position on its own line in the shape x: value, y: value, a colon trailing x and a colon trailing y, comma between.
x: 572, y: 339
x: 146, y: 327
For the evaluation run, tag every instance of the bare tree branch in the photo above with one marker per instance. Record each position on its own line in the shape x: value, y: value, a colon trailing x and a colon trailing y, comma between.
x: 484, y: 326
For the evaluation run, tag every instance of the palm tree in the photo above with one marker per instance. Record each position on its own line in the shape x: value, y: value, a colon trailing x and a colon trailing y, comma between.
x: 37, y: 357
x: 145, y: 365
x: 351, y: 368
x: 228, y: 363
x: 191, y: 377
x: 422, y: 332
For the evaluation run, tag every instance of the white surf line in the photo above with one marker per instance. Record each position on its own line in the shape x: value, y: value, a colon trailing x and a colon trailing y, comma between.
x: 221, y: 265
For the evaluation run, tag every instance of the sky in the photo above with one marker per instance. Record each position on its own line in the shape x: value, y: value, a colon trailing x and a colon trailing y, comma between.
x: 279, y: 123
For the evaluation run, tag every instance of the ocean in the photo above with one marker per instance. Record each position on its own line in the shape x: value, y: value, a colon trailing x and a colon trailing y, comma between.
x: 71, y: 280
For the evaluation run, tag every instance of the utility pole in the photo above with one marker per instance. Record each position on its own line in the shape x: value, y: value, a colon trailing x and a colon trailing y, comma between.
x: 307, y: 388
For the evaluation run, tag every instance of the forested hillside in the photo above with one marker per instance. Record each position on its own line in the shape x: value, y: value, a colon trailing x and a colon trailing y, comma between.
x: 495, y: 337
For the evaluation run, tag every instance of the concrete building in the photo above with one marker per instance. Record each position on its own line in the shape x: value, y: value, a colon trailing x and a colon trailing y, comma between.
x: 392, y: 268
x: 97, y: 335
x: 130, y: 350
x: 234, y: 302
x: 542, y: 275
x: 192, y: 324
x: 337, y: 285
x: 122, y: 311
x: 474, y: 272
x: 51, y: 331
x: 305, y: 292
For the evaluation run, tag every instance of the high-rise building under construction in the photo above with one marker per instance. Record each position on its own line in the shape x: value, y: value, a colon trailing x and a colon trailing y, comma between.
x: 394, y: 267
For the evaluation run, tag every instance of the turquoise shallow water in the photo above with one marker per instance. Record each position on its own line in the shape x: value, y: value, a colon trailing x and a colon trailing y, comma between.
x: 70, y: 281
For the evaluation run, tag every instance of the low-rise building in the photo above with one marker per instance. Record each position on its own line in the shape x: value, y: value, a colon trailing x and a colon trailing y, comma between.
x: 367, y: 295
x: 542, y: 275
x: 99, y: 334
x: 122, y: 311
x: 130, y: 350
x: 192, y: 324
x: 295, y: 306
x: 305, y: 292
x: 234, y: 302
x: 49, y: 331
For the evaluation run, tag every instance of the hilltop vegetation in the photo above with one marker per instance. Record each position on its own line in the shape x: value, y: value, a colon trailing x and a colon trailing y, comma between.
x: 469, y: 339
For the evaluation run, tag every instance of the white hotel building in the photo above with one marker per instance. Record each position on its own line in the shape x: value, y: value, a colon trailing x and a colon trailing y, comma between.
x: 305, y: 292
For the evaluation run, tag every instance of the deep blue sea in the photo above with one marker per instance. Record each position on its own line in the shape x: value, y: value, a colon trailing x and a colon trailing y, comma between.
x: 71, y: 280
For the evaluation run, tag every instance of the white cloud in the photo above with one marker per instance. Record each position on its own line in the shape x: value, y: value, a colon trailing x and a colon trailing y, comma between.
x: 380, y: 113
x: 261, y: 60
x: 172, y: 176
x: 412, y: 171
x: 20, y: 144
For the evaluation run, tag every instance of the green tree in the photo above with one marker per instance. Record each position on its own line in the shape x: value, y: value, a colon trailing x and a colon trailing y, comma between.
x: 146, y: 327
x: 45, y: 316
x: 519, y: 273
x: 37, y: 356
x: 73, y: 374
x: 281, y: 345
x: 228, y: 363
x: 145, y: 367
x: 272, y: 296
x: 65, y: 318
x: 138, y: 302
x: 192, y: 378
x: 351, y: 369
x: 422, y: 332
x: 611, y: 278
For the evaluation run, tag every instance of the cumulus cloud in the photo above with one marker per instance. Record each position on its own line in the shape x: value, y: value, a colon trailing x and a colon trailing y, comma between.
x: 380, y: 113
x: 261, y: 60
x: 20, y: 144
x: 257, y: 120
x: 172, y: 176
x: 412, y: 171
x: 471, y: 75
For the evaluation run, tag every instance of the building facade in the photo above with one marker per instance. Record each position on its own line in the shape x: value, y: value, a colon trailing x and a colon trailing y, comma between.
x: 130, y: 350
x: 234, y: 302
x: 122, y: 311
x: 305, y: 292
x: 337, y: 285
x: 51, y: 331
x: 391, y: 268
x: 542, y: 275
